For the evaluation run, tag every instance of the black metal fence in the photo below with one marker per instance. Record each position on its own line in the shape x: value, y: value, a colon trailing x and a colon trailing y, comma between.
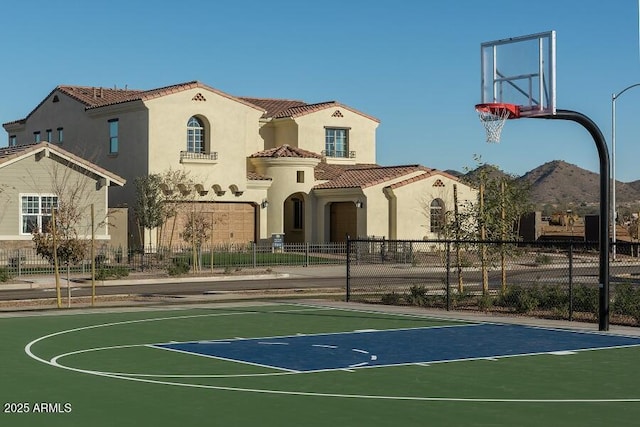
x: 546, y: 279
x: 20, y: 262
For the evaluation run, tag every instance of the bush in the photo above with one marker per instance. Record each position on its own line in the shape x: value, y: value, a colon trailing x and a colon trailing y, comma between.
x: 417, y: 296
x: 522, y: 299
x: 553, y: 297
x: 5, y: 275
x: 106, y: 273
x: 178, y: 266
x: 585, y: 299
x: 626, y: 301
x: 391, y: 299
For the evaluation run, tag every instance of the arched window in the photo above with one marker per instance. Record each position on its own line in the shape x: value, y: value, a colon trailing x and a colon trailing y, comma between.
x: 195, y: 136
x: 436, y: 216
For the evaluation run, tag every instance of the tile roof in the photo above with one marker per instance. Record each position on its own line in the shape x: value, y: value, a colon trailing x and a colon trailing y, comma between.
x: 253, y: 176
x: 429, y: 174
x: 367, y: 177
x: 325, y: 171
x: 10, y: 153
x: 286, y: 151
x: 273, y: 107
x: 96, y: 97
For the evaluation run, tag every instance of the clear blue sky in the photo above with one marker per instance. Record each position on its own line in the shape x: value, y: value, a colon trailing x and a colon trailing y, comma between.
x: 415, y: 65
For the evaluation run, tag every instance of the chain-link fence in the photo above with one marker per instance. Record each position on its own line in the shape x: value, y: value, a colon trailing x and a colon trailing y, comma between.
x: 545, y: 279
x: 115, y: 261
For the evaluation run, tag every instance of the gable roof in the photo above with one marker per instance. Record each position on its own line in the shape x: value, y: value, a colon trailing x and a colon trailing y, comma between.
x: 326, y: 171
x: 96, y: 97
x: 369, y: 176
x: 429, y: 174
x: 286, y: 151
x: 9, y: 155
x: 281, y: 109
x: 273, y: 107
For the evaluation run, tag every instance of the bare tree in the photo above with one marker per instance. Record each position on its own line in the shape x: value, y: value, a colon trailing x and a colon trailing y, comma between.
x: 64, y: 239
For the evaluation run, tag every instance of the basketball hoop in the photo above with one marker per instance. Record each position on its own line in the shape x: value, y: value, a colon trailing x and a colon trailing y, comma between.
x: 493, y: 116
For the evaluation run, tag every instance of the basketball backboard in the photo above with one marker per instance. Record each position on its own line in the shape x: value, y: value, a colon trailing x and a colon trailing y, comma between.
x: 521, y: 71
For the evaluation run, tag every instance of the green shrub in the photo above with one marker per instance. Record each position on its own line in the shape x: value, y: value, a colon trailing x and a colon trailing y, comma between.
x: 523, y: 299
x: 626, y: 301
x: 553, y: 297
x: 485, y: 302
x: 417, y: 296
x: 117, y: 272
x: 391, y: 298
x: 460, y: 298
x: 5, y: 275
x: 585, y: 299
x: 178, y: 266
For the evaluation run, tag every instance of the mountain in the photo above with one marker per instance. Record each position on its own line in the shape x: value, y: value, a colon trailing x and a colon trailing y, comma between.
x: 561, y: 183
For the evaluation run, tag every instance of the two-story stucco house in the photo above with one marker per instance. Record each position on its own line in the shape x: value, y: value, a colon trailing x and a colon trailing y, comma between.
x: 258, y: 166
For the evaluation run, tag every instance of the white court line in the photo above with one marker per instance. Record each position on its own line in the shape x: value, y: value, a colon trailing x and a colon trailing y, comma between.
x: 54, y: 362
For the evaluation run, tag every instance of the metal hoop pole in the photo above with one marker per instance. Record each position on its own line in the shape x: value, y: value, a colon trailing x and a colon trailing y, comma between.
x: 603, y: 153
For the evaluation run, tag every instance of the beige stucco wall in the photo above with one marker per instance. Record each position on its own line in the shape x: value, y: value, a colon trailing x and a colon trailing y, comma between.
x: 412, y: 204
x: 283, y: 172
x: 362, y: 132
x: 30, y: 176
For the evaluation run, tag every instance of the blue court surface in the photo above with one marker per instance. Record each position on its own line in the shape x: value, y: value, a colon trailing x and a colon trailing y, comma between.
x: 370, y: 348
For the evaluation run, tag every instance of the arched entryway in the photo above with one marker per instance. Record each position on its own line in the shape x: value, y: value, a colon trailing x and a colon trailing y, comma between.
x: 295, y: 218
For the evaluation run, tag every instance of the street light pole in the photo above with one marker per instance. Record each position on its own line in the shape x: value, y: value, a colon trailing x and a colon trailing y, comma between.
x: 614, y: 217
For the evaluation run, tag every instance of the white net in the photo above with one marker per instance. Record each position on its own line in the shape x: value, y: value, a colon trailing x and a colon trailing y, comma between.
x: 493, y: 120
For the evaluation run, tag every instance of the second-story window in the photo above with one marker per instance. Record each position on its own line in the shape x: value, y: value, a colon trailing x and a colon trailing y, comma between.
x: 113, y: 136
x: 13, y: 141
x: 60, y: 135
x: 49, y: 135
x: 336, y: 142
x: 36, y: 137
x: 195, y: 136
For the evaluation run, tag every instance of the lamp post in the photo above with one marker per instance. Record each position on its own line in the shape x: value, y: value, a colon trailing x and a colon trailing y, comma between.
x: 614, y: 217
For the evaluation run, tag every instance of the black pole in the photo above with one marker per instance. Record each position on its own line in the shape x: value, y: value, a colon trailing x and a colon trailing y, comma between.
x: 603, y: 153
x: 348, y: 295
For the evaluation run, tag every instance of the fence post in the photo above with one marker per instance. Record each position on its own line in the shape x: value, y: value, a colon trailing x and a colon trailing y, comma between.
x: 348, y: 269
x: 254, y: 245
x: 571, y: 281
x: 20, y: 263
x: 447, y: 284
x: 306, y: 254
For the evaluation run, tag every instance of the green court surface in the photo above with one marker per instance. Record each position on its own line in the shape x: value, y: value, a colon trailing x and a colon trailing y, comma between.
x: 104, y: 368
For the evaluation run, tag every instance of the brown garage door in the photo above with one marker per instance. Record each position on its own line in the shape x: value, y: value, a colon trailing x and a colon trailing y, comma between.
x: 232, y: 222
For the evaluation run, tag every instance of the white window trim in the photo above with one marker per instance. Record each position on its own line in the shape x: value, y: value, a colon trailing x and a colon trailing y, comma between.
x: 39, y: 196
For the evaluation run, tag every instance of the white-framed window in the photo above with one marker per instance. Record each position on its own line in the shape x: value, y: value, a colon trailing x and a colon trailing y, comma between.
x: 436, y: 215
x: 195, y: 135
x: 35, y: 212
x: 336, y: 142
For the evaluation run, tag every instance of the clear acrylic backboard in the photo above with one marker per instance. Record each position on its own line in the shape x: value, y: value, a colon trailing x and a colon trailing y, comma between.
x: 521, y: 71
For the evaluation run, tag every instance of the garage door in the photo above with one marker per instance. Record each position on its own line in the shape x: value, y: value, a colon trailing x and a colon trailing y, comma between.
x: 232, y: 222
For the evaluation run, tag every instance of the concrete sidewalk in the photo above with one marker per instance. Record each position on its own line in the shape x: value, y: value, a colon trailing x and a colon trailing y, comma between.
x: 157, y: 277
